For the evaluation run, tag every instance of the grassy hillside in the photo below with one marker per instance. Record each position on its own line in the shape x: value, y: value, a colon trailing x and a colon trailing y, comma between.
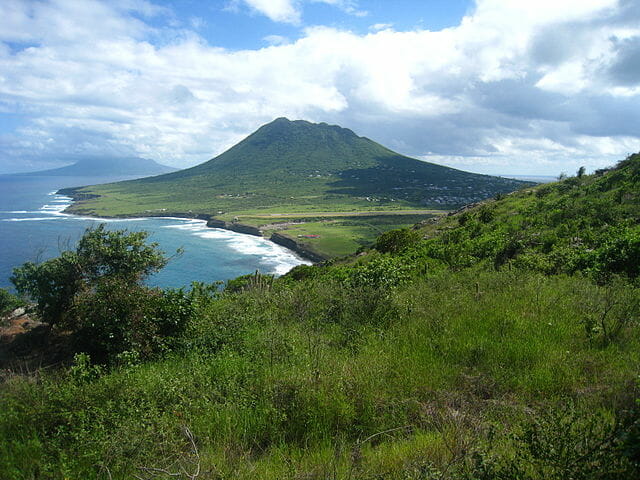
x: 298, y: 166
x: 452, y: 357
x: 588, y: 223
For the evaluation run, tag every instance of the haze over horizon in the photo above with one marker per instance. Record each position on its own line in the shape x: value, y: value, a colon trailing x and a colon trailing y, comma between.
x: 487, y: 86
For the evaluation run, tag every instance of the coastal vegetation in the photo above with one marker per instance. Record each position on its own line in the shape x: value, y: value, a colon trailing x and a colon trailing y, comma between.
x: 498, y: 342
x: 300, y: 169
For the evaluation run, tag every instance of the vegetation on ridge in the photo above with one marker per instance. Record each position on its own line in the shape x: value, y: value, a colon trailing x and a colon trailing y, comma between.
x: 436, y: 358
x: 585, y: 224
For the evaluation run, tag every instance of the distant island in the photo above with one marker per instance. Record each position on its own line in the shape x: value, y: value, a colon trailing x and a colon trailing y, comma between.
x: 314, y: 185
x: 96, y: 167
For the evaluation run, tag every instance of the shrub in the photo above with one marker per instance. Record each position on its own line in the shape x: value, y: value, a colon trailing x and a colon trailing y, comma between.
x: 562, y: 443
x: 620, y: 253
x: 96, y: 292
x: 100, y: 254
x: 395, y: 241
x: 8, y: 301
x: 381, y: 272
x: 116, y: 317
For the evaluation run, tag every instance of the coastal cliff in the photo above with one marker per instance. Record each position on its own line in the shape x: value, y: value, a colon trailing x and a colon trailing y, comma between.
x: 301, y: 250
x: 279, y: 239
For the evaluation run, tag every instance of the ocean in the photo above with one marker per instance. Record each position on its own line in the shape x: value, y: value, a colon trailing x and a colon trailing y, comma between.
x: 33, y: 228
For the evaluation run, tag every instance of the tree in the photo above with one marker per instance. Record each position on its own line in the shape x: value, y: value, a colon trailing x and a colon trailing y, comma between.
x: 97, y: 292
x: 581, y: 172
x: 395, y: 241
x: 100, y: 254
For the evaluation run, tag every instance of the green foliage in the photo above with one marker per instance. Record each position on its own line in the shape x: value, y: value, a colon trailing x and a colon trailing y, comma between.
x: 581, y: 224
x: 82, y: 371
x: 8, y: 301
x: 395, y: 241
x: 325, y: 375
x: 51, y: 284
x: 96, y: 292
x: 610, y: 310
x: 100, y: 254
x: 116, y: 317
x: 559, y: 443
x: 252, y: 281
x: 619, y: 253
x: 379, y: 272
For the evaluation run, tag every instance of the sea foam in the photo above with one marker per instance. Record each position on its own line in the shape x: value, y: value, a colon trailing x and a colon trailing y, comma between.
x: 276, y: 259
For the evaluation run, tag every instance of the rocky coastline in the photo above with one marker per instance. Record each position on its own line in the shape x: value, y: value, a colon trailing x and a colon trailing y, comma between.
x: 237, y: 227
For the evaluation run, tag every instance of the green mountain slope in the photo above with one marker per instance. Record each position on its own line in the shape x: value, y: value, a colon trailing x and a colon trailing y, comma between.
x: 587, y: 223
x: 298, y: 166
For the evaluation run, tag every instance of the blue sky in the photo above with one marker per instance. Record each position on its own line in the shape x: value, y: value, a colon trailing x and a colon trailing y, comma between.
x: 236, y: 25
x: 491, y: 86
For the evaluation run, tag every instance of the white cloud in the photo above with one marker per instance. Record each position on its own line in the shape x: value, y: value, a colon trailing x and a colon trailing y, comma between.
x: 290, y: 11
x: 511, y: 88
x: 286, y: 11
x: 276, y: 40
x: 348, y: 6
x: 376, y: 27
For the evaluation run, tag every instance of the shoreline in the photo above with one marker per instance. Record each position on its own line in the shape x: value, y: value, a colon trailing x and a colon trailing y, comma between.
x: 278, y: 239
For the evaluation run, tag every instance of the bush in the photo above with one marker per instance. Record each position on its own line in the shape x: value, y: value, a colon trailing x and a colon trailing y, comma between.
x: 116, y: 318
x: 8, y: 301
x: 395, y: 241
x: 96, y: 292
x: 382, y: 272
x: 562, y: 443
x: 54, y: 283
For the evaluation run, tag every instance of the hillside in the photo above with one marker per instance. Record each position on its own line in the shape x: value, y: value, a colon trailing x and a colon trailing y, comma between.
x: 298, y: 166
x: 504, y: 345
x: 584, y: 223
x: 108, y: 167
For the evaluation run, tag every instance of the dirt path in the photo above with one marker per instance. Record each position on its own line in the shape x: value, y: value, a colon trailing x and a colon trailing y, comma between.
x: 347, y: 214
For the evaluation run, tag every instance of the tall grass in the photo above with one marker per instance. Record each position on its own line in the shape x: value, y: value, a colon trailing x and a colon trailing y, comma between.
x: 313, y: 379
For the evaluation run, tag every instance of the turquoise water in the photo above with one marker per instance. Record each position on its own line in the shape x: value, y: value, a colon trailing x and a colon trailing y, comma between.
x: 33, y: 228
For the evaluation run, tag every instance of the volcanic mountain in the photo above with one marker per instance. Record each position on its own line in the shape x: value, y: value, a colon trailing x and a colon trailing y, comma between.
x: 292, y: 165
x: 96, y: 167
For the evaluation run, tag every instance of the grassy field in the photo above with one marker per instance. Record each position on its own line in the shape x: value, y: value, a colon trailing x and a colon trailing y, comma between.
x: 440, y: 378
x: 337, y: 235
x: 342, y: 230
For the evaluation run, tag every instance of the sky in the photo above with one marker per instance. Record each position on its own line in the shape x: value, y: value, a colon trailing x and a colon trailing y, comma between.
x: 489, y: 86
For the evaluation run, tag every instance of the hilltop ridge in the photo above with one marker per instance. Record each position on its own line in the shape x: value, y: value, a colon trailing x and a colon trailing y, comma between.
x: 585, y: 223
x: 108, y: 166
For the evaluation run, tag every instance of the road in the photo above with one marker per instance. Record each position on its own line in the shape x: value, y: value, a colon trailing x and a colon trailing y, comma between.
x: 346, y: 214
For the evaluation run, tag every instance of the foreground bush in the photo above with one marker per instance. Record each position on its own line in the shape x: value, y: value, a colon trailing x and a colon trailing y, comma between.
x: 96, y: 292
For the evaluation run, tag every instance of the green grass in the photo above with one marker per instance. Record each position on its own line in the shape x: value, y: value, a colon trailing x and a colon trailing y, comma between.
x: 587, y: 223
x: 338, y: 236
x: 289, y: 382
